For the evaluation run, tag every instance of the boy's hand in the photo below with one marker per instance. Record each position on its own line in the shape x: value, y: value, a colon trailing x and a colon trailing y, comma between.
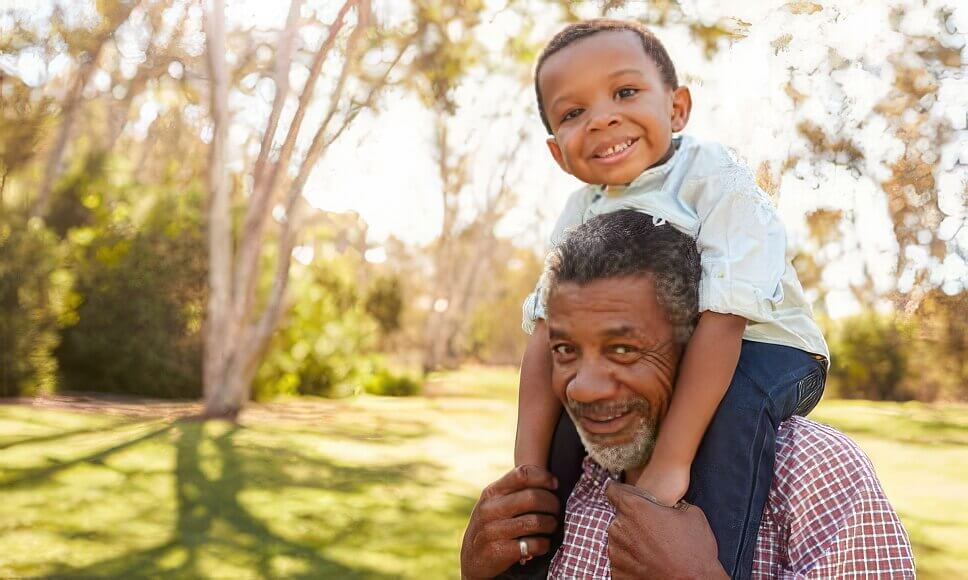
x: 667, y: 483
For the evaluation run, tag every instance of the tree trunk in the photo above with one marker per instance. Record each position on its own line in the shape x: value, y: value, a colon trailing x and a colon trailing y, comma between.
x: 222, y: 398
x: 237, y: 335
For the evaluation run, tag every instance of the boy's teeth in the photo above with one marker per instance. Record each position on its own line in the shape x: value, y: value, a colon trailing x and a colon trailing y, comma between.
x: 616, y: 148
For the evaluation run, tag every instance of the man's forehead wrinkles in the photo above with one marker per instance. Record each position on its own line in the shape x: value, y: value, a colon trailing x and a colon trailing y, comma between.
x: 557, y: 332
x: 621, y: 331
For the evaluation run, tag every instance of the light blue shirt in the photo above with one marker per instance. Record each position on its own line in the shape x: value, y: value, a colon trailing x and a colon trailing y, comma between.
x: 704, y: 192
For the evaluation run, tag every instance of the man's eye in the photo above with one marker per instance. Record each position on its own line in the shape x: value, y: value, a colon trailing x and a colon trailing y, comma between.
x: 563, y: 349
x: 626, y: 92
x: 623, y: 349
x: 571, y: 115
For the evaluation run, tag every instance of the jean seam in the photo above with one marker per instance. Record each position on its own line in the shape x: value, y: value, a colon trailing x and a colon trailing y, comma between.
x: 745, y: 532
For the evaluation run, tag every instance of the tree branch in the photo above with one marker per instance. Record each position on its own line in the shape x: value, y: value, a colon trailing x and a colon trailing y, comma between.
x: 72, y: 102
x: 258, y: 211
x: 281, y: 75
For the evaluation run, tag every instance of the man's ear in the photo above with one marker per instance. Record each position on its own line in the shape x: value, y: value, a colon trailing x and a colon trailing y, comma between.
x: 556, y: 153
x: 681, y: 107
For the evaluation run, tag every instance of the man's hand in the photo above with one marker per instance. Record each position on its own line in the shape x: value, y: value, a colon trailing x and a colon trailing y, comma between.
x: 647, y: 540
x: 517, y: 506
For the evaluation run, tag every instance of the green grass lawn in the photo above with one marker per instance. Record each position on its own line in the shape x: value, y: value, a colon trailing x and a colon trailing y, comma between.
x: 368, y: 487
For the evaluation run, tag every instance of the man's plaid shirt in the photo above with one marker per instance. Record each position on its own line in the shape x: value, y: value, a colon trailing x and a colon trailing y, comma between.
x: 826, y: 516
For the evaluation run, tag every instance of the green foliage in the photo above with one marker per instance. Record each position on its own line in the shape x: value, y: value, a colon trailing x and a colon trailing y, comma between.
x: 385, y: 383
x: 24, y: 118
x: 325, y: 345
x: 77, y: 196
x: 34, y: 299
x: 384, y: 302
x: 939, y: 356
x: 870, y: 357
x: 142, y: 293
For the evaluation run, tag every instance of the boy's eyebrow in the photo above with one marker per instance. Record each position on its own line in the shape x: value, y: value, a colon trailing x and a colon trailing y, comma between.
x: 625, y: 71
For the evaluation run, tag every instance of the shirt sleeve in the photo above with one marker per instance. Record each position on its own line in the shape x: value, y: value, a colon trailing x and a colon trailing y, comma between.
x: 742, y: 244
x: 572, y: 216
x: 839, y: 522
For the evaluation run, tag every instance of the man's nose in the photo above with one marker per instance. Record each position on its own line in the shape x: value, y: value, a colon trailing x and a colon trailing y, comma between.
x: 593, y: 382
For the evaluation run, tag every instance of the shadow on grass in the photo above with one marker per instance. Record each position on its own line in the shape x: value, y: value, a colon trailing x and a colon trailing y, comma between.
x: 212, y: 525
x: 31, y: 476
x: 385, y: 433
x: 62, y: 435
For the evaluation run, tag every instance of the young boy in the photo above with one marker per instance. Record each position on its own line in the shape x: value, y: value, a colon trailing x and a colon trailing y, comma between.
x: 608, y: 95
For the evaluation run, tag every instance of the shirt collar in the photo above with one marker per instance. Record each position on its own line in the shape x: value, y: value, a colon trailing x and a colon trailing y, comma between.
x: 593, y: 478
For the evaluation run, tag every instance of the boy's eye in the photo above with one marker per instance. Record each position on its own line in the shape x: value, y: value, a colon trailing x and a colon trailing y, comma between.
x: 571, y: 114
x: 626, y: 92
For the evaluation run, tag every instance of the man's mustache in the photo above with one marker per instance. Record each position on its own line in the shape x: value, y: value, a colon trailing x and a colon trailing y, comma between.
x: 600, y: 408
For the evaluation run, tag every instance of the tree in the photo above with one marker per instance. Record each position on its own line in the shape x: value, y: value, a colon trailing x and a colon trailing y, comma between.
x: 89, y: 47
x: 908, y: 118
x: 239, y: 323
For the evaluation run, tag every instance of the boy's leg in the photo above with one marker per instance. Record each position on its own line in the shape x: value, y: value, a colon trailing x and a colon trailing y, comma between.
x: 733, y: 468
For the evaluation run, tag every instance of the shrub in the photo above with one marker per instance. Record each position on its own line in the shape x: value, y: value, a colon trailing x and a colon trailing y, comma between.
x: 387, y: 384
x: 34, y: 300
x: 142, y: 294
x: 325, y: 343
x: 869, y: 357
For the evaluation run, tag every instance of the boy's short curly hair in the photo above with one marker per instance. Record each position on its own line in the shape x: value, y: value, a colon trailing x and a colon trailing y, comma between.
x: 579, y: 30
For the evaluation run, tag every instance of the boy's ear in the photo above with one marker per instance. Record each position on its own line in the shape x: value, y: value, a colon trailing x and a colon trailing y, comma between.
x: 681, y: 107
x: 556, y: 153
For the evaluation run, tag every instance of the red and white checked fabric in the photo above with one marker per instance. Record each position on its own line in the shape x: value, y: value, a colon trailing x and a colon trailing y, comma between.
x: 826, y: 516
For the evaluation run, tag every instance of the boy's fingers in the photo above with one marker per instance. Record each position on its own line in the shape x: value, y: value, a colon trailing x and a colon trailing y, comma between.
x: 617, y: 495
x: 521, y: 477
x: 621, y: 494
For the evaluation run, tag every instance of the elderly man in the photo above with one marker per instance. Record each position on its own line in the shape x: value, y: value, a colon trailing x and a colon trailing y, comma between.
x: 622, y: 299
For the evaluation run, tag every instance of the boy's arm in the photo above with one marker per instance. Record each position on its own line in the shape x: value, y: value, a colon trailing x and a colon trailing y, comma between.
x: 538, y: 406
x: 705, y: 373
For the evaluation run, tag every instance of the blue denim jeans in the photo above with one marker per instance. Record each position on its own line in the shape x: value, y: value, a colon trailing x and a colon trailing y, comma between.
x: 733, y: 469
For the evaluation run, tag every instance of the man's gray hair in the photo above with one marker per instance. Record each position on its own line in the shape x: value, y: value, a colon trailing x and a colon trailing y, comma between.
x: 629, y: 243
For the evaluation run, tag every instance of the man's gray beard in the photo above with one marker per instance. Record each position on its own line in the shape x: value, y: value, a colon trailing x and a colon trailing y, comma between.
x: 619, y: 457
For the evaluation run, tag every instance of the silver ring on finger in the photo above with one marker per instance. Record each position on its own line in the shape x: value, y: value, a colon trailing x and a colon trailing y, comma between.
x: 525, y: 554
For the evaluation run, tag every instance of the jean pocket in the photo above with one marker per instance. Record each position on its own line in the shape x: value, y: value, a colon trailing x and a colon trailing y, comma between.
x: 809, y: 390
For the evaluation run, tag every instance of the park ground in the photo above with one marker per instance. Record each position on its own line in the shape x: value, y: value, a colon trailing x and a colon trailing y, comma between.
x: 368, y: 487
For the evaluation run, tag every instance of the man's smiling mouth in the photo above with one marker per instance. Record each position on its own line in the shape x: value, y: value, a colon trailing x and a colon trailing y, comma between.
x: 605, y: 424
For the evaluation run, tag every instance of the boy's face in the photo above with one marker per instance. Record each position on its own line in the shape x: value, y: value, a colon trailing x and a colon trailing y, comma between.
x: 611, y: 115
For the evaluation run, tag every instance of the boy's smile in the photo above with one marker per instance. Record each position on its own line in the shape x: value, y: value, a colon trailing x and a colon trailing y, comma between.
x: 611, y: 114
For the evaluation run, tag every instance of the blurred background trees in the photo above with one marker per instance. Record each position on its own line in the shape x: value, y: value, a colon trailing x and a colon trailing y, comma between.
x: 159, y: 220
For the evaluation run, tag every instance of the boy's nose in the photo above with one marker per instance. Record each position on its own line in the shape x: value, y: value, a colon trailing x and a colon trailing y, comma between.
x: 593, y: 382
x: 603, y: 118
